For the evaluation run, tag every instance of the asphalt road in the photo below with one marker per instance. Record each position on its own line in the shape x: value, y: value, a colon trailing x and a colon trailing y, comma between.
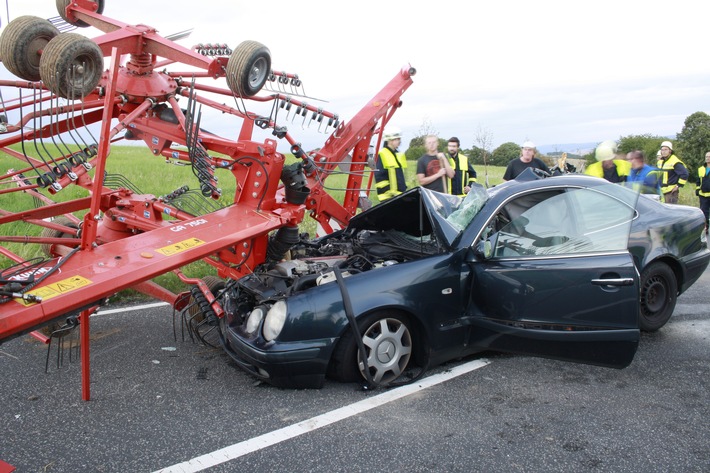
x: 158, y: 404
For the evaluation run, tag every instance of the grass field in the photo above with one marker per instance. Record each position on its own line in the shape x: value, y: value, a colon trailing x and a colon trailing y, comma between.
x: 150, y: 174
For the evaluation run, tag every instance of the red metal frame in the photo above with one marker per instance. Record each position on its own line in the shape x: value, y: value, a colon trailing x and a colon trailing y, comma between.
x: 127, y: 238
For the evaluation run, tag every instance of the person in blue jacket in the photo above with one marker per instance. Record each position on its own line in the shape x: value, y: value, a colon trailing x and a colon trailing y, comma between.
x: 643, y: 177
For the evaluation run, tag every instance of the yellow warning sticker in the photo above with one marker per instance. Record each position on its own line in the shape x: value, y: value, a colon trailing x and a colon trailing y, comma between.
x: 57, y: 289
x: 180, y: 246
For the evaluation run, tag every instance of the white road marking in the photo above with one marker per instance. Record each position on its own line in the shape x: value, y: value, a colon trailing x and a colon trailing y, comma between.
x: 240, y: 449
x: 128, y: 309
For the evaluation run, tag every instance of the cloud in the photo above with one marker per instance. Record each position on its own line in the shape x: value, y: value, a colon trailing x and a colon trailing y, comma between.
x: 549, y: 71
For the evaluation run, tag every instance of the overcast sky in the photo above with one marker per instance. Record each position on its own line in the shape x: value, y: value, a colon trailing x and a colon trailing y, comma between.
x: 552, y: 72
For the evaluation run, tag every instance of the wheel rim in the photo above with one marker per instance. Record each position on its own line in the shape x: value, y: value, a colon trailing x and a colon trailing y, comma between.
x: 258, y: 72
x: 388, y: 343
x: 655, y: 295
x: 82, y: 68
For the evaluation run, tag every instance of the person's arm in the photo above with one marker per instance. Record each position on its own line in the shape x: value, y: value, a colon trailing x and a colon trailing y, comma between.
x: 424, y: 180
x: 683, y: 174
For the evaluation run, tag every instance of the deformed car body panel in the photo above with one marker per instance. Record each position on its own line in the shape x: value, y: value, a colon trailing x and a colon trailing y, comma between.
x: 470, y: 275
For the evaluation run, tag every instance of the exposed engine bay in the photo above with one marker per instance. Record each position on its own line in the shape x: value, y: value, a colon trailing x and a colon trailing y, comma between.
x: 310, y: 263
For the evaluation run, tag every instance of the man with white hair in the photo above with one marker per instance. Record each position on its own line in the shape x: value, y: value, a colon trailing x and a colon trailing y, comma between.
x: 526, y: 160
x: 673, y: 171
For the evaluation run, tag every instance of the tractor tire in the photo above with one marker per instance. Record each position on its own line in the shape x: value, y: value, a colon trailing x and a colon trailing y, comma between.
x: 52, y: 233
x: 248, y: 68
x: 71, y: 65
x: 21, y: 43
x: 62, y: 10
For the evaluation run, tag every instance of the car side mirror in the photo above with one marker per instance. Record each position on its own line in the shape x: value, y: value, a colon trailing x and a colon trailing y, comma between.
x: 484, y: 249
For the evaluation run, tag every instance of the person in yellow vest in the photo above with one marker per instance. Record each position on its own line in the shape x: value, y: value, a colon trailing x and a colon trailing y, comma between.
x: 389, y: 170
x: 607, y: 165
x: 703, y: 189
x: 673, y: 171
x: 464, y: 174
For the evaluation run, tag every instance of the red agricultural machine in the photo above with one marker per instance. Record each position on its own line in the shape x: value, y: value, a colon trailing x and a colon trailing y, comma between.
x: 125, y: 85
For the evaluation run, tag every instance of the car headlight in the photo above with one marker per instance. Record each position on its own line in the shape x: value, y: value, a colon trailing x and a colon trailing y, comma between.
x: 275, y: 319
x: 254, y: 320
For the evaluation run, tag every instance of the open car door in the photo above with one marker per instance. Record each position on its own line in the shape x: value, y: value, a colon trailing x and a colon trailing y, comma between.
x: 554, y: 278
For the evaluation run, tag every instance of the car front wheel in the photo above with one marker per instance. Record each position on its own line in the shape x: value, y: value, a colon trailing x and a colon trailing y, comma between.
x: 389, y: 344
x: 659, y: 292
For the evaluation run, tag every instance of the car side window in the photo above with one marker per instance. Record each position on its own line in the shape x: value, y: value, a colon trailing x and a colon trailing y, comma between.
x: 572, y: 222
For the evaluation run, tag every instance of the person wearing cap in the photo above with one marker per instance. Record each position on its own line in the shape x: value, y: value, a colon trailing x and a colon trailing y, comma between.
x: 526, y: 160
x: 674, y: 173
x: 464, y: 174
x: 389, y: 169
x: 703, y: 189
x: 607, y: 166
x: 643, y: 177
x: 433, y: 168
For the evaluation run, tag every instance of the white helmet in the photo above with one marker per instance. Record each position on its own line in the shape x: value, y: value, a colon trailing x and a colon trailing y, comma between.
x: 606, y: 150
x: 667, y: 144
x: 392, y: 133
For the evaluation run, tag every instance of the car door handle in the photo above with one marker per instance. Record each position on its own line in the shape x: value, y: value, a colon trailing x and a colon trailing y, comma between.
x: 613, y: 282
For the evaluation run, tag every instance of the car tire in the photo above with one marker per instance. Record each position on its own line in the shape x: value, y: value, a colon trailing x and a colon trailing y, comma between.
x: 389, y: 341
x: 658, y: 295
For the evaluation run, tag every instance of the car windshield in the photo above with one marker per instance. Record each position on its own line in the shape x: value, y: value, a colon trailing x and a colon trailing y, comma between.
x: 453, y: 214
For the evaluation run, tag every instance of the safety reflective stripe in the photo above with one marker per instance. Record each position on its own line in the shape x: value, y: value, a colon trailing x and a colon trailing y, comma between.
x: 704, y: 176
x: 391, y: 162
x: 465, y: 179
x: 666, y: 166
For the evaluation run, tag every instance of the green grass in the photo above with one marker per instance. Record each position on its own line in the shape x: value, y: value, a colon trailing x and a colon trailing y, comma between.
x: 151, y: 175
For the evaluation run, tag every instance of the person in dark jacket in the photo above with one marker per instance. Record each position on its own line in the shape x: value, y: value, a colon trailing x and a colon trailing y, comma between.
x: 389, y: 170
x: 464, y: 174
x: 675, y: 174
x: 703, y: 189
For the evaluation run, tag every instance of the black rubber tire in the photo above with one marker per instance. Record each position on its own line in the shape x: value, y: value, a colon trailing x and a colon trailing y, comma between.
x: 62, y: 10
x: 658, y: 296
x: 71, y: 52
x: 52, y: 233
x: 21, y: 42
x: 345, y: 365
x: 248, y: 68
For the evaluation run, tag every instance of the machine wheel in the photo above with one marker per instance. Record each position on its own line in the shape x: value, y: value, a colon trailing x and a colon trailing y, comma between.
x: 21, y: 43
x: 52, y: 233
x: 62, y: 9
x: 71, y: 65
x: 389, y: 343
x: 248, y: 68
x: 659, y: 292
x: 205, y: 329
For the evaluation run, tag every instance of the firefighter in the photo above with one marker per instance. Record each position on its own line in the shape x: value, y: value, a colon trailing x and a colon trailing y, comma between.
x: 674, y: 173
x: 389, y: 172
x: 607, y: 166
x: 703, y: 189
x: 464, y: 174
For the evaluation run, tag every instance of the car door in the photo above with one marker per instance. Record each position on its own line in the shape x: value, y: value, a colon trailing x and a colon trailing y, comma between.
x: 555, y: 278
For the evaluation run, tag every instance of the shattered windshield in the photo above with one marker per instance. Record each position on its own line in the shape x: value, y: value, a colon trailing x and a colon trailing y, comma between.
x: 452, y: 214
